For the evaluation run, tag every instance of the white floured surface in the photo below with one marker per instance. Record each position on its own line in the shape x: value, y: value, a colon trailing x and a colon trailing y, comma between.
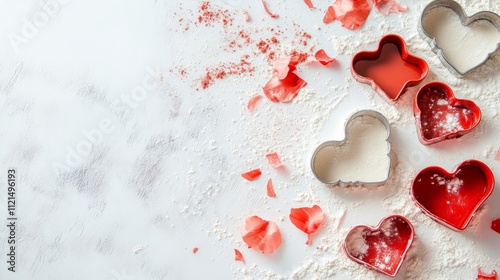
x: 166, y: 171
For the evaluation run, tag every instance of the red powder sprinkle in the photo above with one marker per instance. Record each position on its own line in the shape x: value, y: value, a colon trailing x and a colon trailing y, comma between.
x: 263, y: 46
x: 323, y: 58
x: 486, y: 276
x: 351, y: 13
x: 261, y: 235
x: 252, y: 174
x: 270, y: 189
x: 495, y: 225
x: 307, y: 219
x: 309, y: 4
x: 267, y: 10
x: 247, y: 16
x: 238, y: 256
x: 208, y: 15
x: 388, y: 6
x: 253, y: 101
x: 274, y: 160
x: 226, y: 69
x: 195, y: 249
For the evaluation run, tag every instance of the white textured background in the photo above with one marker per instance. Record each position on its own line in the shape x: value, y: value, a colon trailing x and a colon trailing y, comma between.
x: 165, y: 175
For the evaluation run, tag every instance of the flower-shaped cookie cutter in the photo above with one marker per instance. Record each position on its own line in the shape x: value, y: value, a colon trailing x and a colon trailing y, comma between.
x: 390, y: 69
x: 465, y: 20
x: 382, y: 248
x: 322, y: 162
x: 451, y: 199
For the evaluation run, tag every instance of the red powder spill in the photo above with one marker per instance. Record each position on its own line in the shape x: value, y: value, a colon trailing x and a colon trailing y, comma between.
x: 251, y: 175
x: 195, y: 249
x: 497, y: 156
x: 307, y: 219
x: 209, y: 15
x: 264, y: 44
x: 247, y: 16
x: 323, y: 58
x: 270, y: 189
x: 486, y: 276
x: 351, y: 13
x: 309, y: 4
x: 267, y: 10
x: 261, y: 235
x: 495, y: 225
x: 303, y: 37
x: 242, y: 39
x: 253, y: 101
x: 226, y: 69
x: 274, y: 160
x: 388, y: 6
x: 238, y: 256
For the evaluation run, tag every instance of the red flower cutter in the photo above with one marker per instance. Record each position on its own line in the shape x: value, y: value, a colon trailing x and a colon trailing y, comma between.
x: 452, y: 198
x: 440, y: 115
x: 390, y: 69
x: 382, y: 248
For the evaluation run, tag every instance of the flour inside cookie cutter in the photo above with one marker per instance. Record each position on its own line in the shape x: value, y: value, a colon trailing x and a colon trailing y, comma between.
x: 460, y: 53
x: 362, y: 157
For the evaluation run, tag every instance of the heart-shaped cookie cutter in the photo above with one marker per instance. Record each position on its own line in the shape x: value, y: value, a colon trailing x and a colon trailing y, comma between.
x: 382, y: 248
x: 317, y: 152
x: 465, y: 123
x: 393, y: 80
x: 451, y: 199
x: 465, y: 21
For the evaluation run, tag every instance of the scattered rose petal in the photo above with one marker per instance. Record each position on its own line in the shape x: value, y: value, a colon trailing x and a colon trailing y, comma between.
x: 495, y: 225
x: 323, y: 58
x: 252, y: 102
x: 267, y: 10
x: 261, y: 235
x: 309, y: 4
x: 486, y: 276
x: 307, y: 219
x: 195, y: 249
x: 247, y: 16
x: 283, y: 66
x: 238, y: 256
x: 329, y: 15
x: 252, y: 174
x: 270, y: 189
x: 284, y: 90
x: 274, y: 160
x: 352, y: 14
x: 388, y: 6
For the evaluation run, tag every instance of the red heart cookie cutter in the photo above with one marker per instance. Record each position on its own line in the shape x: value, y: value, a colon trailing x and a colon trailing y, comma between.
x: 390, y: 69
x: 452, y: 198
x: 440, y: 115
x: 382, y: 248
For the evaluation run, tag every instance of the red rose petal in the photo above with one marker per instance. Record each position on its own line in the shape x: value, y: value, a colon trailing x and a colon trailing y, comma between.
x: 495, y: 225
x: 323, y: 58
x: 267, y: 10
x: 329, y: 15
x: 270, y: 189
x: 283, y: 66
x: 388, y: 6
x: 252, y: 174
x: 352, y: 14
x: 309, y: 4
x: 486, y: 276
x: 247, y: 16
x: 307, y: 219
x: 274, y: 160
x: 284, y: 90
x: 252, y: 102
x: 195, y: 249
x: 238, y: 256
x: 261, y: 235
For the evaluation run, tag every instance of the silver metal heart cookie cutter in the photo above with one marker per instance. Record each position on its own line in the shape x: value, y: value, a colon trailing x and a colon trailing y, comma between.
x: 465, y: 21
x: 357, y: 114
